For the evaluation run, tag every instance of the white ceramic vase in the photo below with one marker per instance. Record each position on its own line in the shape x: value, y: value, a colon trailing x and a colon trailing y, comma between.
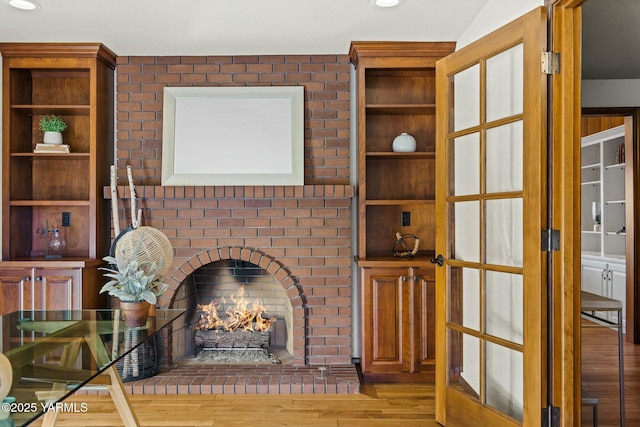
x: 52, y: 138
x: 404, y: 143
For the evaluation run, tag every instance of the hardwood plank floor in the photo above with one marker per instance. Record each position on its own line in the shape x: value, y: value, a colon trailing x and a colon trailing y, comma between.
x: 378, y: 405
x: 600, y: 377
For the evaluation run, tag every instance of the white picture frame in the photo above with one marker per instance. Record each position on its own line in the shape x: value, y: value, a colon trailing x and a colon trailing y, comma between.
x: 248, y: 135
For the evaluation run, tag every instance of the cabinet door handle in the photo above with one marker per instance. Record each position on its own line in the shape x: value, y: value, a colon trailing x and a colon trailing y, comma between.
x: 38, y: 278
x: 405, y: 279
x: 27, y: 278
x: 416, y: 278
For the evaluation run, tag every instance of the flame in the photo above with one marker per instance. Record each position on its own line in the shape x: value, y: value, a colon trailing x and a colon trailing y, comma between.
x: 241, y: 315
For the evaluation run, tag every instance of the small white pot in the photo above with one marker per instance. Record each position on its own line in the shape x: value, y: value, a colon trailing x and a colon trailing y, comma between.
x: 52, y: 138
x: 404, y: 143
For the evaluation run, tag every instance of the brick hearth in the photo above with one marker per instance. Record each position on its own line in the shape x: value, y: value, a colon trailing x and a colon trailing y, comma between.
x: 244, y: 379
x: 249, y: 379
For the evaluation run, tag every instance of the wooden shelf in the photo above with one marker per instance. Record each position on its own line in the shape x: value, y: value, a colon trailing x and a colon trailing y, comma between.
x: 389, y: 202
x: 422, y: 259
x: 398, y: 83
x: 59, y: 156
x: 394, y: 155
x: 61, y: 203
x: 75, y: 81
x: 401, y: 109
x: 82, y: 110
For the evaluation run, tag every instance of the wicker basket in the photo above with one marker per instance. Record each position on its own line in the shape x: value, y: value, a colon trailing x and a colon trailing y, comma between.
x: 142, y: 362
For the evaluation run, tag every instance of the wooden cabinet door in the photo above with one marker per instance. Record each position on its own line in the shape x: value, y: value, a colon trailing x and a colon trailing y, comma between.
x: 386, y: 321
x: 57, y: 289
x: 15, y: 290
x: 424, y: 313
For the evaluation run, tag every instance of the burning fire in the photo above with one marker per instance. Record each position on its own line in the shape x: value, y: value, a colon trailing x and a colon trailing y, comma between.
x: 243, y: 315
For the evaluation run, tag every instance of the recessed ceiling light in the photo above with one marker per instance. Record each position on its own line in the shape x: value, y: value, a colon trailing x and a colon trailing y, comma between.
x: 24, y: 4
x: 386, y: 3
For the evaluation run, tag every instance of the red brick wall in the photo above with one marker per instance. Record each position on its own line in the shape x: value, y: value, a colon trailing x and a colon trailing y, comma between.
x: 305, y: 229
x: 141, y: 81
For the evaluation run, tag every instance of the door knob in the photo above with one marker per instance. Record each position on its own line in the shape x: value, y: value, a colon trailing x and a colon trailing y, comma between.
x: 438, y: 260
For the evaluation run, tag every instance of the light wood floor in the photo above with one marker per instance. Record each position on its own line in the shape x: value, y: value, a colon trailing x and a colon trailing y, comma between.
x: 378, y: 405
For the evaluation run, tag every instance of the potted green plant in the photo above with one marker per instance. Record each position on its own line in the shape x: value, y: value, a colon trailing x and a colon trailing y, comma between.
x: 136, y: 284
x: 52, y: 126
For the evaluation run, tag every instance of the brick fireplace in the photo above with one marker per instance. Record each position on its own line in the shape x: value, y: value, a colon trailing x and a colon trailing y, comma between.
x: 301, y: 235
x: 278, y: 291
x: 229, y: 292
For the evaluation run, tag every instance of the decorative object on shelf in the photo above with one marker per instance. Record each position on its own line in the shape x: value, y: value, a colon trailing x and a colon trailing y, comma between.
x: 52, y: 148
x: 620, y: 158
x: 52, y: 126
x: 401, y: 247
x: 404, y: 143
x: 595, y: 214
x: 55, y: 243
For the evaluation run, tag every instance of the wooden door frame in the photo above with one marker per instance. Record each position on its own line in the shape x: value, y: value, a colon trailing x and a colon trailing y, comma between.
x: 565, y: 355
x: 565, y: 25
x: 633, y: 222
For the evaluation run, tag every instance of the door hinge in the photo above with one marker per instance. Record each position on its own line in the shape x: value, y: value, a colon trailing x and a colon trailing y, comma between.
x: 551, y: 416
x: 550, y: 240
x: 550, y: 63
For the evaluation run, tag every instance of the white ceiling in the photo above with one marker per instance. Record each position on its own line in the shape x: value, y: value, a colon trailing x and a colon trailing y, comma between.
x: 611, y: 38
x: 235, y: 27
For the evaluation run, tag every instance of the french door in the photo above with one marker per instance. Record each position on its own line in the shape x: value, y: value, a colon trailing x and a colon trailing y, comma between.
x: 490, y: 212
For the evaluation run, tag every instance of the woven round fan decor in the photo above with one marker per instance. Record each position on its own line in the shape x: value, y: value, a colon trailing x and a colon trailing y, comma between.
x: 154, y: 247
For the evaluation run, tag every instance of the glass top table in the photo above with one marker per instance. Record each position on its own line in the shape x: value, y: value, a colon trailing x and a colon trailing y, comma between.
x: 48, y: 355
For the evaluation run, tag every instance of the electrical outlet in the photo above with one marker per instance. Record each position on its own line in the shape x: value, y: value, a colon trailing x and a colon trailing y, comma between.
x: 66, y: 219
x: 406, y: 219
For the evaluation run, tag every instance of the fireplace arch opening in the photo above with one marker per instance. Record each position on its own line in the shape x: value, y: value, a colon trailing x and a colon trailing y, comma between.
x: 226, y: 273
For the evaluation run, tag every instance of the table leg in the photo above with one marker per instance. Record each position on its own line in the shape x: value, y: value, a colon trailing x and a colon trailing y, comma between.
x: 67, y: 360
x: 116, y: 387
x: 621, y: 368
x: 119, y: 396
x: 49, y: 419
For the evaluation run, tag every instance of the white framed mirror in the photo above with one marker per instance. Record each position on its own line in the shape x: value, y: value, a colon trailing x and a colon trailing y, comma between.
x: 249, y: 135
